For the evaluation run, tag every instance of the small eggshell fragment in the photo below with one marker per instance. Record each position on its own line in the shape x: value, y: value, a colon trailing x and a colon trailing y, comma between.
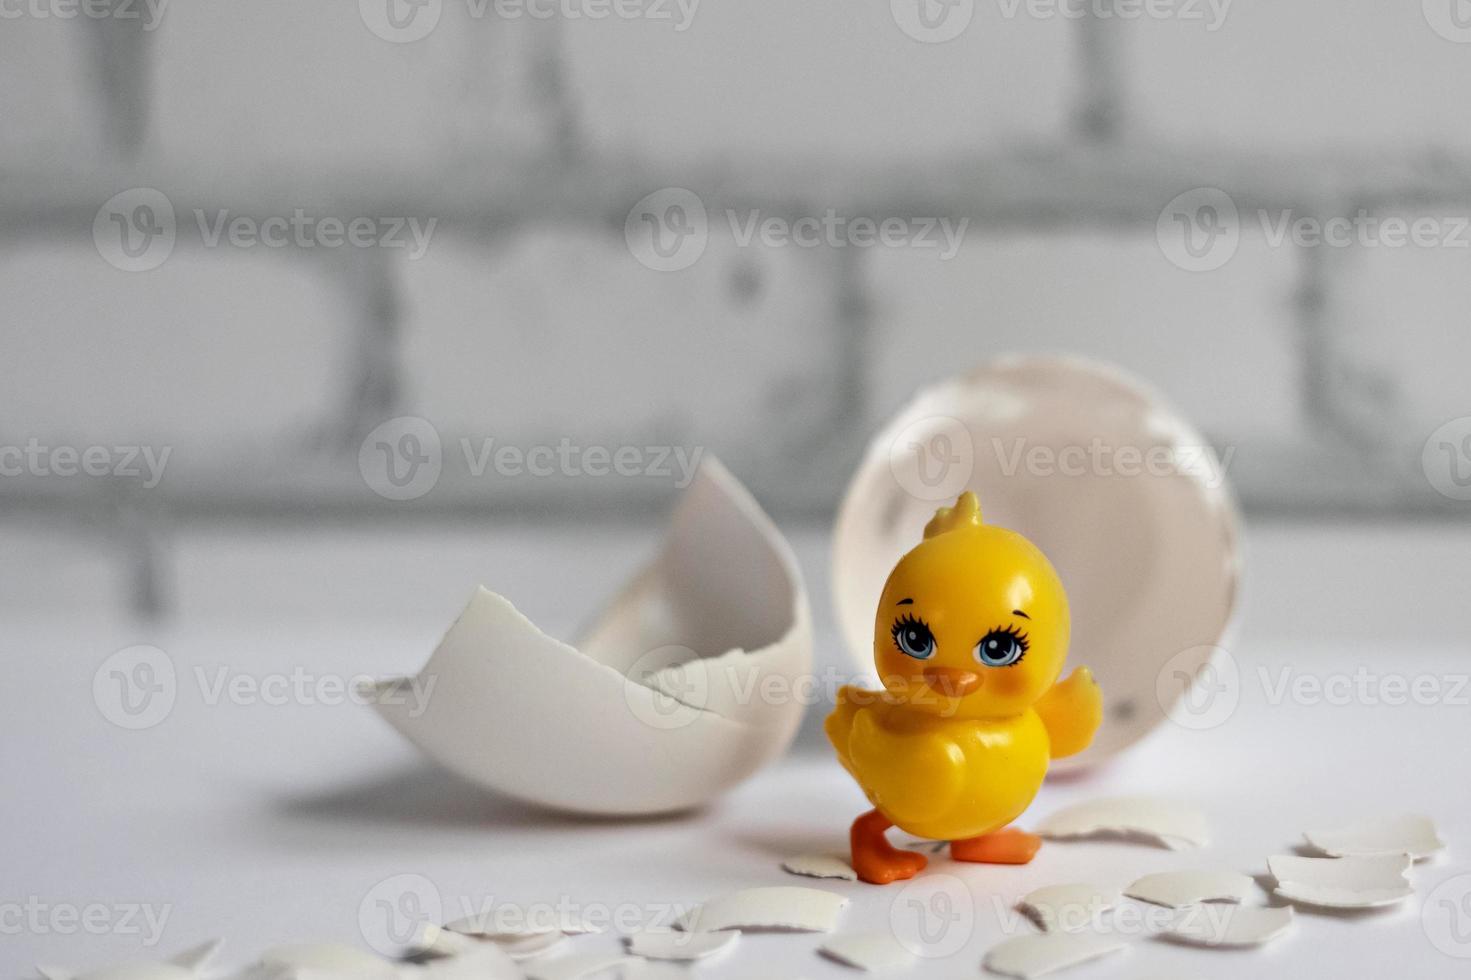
x: 1232, y: 926
x: 530, y: 945
x: 508, y: 921
x: 1177, y: 889
x: 666, y: 676
x: 576, y: 967
x: 1035, y: 956
x: 1342, y: 883
x: 669, y: 944
x: 443, y: 941
x: 1064, y: 908
x: 783, y: 907
x: 820, y: 866
x: 181, y: 966
x: 324, y: 961
x: 870, y: 951
x: 482, y: 961
x: 1170, y: 824
x: 1409, y: 833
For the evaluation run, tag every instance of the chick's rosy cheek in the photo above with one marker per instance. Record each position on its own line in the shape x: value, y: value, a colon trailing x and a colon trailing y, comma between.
x: 893, y: 664
x: 1006, y: 681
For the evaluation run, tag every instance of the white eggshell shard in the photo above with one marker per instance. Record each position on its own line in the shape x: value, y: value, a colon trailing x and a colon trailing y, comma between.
x: 485, y: 961
x: 182, y: 966
x: 1124, y: 497
x: 1342, y: 883
x: 1229, y: 926
x: 1066, y: 908
x: 670, y: 944
x: 784, y: 907
x: 1035, y: 956
x: 1408, y: 833
x: 510, y: 921
x: 716, y: 622
x: 820, y: 866
x: 322, y: 961
x: 875, y: 952
x: 1165, y: 822
x: 126, y: 971
x: 576, y: 967
x: 531, y: 945
x: 1177, y: 889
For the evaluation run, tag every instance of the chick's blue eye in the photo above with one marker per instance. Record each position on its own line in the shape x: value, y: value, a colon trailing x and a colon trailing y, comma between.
x: 1001, y: 648
x: 914, y: 638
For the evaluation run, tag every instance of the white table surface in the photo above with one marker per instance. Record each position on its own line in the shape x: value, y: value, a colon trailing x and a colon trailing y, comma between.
x: 267, y: 825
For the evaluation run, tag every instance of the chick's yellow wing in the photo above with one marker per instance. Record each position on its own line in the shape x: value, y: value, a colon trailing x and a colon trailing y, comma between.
x: 839, y: 724
x: 1071, y: 712
x: 911, y: 776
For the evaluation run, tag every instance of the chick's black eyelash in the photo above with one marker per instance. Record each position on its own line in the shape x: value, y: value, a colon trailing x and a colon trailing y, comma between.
x: 1015, y: 634
x: 907, y: 620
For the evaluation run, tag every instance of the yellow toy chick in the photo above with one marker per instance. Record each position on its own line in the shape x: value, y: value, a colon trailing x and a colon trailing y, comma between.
x: 970, y: 638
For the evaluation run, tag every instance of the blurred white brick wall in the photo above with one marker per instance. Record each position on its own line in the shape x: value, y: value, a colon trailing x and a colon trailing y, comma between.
x: 1305, y: 75
x: 823, y: 80
x: 46, y: 100
x: 530, y: 332
x: 1219, y: 345
x: 1405, y: 316
x: 207, y: 353
x: 563, y: 333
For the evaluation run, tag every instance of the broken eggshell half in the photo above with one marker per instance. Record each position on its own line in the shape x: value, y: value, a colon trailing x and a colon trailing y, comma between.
x: 668, y: 700
x: 1125, y: 498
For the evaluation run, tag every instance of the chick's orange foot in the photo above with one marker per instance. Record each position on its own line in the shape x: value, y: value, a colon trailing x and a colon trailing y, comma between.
x: 875, y: 860
x: 1009, y: 846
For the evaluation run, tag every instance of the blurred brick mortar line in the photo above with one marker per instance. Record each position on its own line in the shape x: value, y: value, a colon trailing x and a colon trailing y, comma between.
x: 1100, y: 176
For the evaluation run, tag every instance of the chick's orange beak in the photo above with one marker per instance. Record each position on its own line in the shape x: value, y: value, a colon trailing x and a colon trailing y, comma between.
x: 951, y: 682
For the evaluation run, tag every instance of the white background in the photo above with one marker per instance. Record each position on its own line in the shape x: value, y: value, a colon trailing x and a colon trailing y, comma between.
x: 267, y: 825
